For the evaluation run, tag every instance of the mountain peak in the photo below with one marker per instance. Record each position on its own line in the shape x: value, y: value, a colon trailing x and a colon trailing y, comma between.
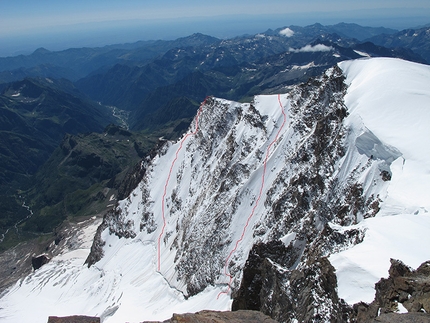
x: 41, y: 51
x: 198, y: 39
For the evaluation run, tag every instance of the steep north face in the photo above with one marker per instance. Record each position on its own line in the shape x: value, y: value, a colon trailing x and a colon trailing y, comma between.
x: 217, y: 202
x: 257, y: 196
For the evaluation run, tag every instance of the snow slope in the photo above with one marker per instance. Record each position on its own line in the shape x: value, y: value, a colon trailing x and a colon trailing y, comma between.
x: 403, y: 236
x: 123, y: 288
x: 279, y: 168
x: 391, y: 97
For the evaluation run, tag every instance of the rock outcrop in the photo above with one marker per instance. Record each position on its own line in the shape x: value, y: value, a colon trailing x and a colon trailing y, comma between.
x: 73, y: 319
x: 39, y: 261
x: 402, y: 318
x: 220, y: 317
x: 405, y: 290
x: 305, y: 294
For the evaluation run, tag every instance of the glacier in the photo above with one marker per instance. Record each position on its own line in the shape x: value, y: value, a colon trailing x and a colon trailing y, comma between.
x: 345, y: 151
x: 391, y: 98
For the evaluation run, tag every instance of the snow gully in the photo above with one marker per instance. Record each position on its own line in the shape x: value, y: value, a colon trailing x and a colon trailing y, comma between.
x: 163, y: 199
x: 226, y: 273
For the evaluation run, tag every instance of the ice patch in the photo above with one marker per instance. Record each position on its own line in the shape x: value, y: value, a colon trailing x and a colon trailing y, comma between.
x: 401, y: 308
x: 361, y: 53
x: 286, y: 240
x: 391, y: 97
x: 368, y: 144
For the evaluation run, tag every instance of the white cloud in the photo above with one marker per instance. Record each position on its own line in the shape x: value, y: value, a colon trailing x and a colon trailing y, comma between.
x: 287, y: 32
x: 310, y: 48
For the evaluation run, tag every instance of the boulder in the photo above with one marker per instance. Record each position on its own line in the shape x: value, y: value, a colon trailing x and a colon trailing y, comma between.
x: 220, y: 317
x: 39, y: 261
x: 73, y: 319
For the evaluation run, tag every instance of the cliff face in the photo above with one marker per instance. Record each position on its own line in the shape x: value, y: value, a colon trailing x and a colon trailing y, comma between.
x: 256, y: 196
x: 404, y: 291
x: 306, y: 294
x: 271, y: 179
x: 258, y: 205
x: 278, y: 168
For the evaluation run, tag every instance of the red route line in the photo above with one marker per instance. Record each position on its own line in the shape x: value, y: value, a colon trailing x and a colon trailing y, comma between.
x: 256, y: 202
x: 168, y: 179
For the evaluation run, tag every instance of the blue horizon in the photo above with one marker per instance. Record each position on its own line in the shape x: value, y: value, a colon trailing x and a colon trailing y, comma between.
x: 99, y: 34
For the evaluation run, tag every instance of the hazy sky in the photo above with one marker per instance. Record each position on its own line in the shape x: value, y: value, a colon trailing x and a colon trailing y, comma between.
x: 26, y: 23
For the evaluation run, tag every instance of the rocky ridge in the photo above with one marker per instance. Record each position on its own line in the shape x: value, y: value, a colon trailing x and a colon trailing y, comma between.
x: 405, y: 291
x: 73, y: 319
x: 219, y: 317
x: 316, y: 181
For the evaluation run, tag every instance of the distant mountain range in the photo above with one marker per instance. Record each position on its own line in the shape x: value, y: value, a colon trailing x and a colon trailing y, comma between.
x: 76, y: 63
x: 417, y: 40
x: 235, y: 69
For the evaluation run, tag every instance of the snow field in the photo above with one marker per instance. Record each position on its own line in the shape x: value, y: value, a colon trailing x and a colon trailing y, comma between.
x: 403, y: 236
x: 389, y: 98
x: 392, y: 98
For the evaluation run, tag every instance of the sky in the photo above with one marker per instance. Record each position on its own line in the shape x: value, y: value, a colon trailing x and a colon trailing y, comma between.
x: 54, y: 24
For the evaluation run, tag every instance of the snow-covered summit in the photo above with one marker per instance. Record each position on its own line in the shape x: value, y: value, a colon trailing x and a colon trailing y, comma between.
x: 391, y: 96
x: 314, y: 168
x: 389, y: 100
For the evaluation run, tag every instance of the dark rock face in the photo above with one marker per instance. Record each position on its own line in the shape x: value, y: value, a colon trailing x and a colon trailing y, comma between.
x: 259, y: 273
x: 402, y: 318
x: 404, y: 287
x: 96, y: 252
x: 73, y: 319
x: 221, y: 317
x: 134, y: 177
x: 297, y: 282
x: 307, y: 294
x: 39, y: 261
